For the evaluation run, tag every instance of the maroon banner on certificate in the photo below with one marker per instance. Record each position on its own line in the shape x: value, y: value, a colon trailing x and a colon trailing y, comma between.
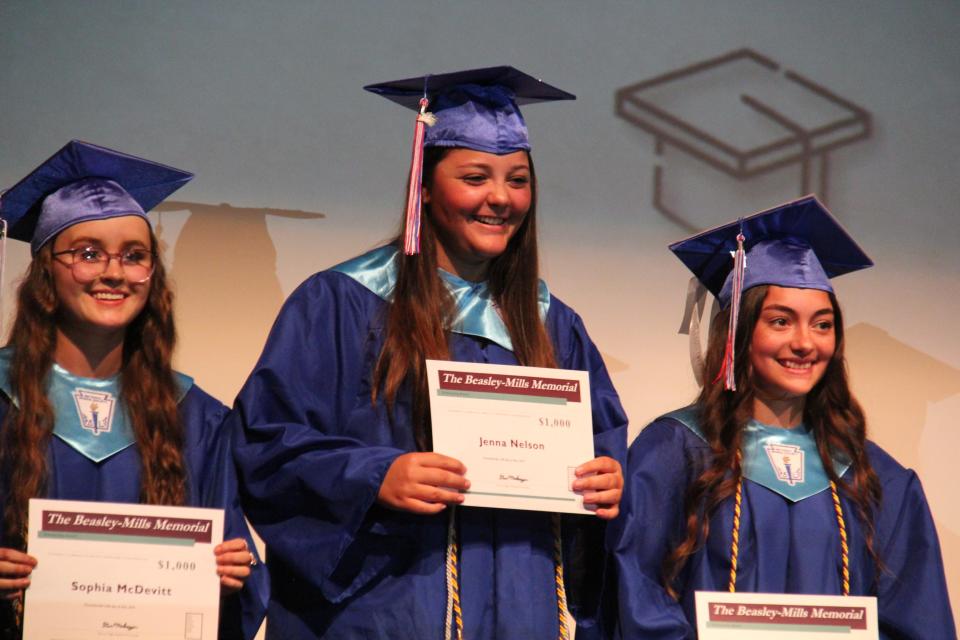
x: 519, y: 385
x: 800, y: 615
x: 722, y: 615
x: 198, y: 530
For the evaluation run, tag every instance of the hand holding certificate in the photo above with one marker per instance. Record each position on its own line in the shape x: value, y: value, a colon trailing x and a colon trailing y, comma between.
x: 122, y: 570
x: 521, y: 432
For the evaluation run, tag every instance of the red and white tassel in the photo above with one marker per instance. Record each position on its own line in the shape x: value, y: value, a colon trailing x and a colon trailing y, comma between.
x: 411, y: 235
x: 728, y: 369
x: 3, y: 264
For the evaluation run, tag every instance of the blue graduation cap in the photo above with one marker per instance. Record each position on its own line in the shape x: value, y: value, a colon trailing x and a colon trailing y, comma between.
x: 476, y: 109
x: 797, y: 244
x: 82, y: 182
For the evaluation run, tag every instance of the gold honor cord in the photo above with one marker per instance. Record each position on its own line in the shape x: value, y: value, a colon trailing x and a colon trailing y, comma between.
x: 453, y: 629
x: 454, y: 621
x: 844, y: 550
x: 18, y: 603
x: 564, y: 633
x: 735, y: 545
x: 18, y: 612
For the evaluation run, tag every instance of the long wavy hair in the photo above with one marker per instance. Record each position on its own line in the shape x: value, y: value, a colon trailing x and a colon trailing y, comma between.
x: 148, y: 392
x: 830, y: 411
x: 421, y: 310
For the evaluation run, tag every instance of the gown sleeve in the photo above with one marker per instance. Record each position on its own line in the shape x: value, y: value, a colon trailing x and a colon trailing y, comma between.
x: 650, y: 520
x: 312, y: 450
x: 912, y: 591
x: 588, y: 575
x: 213, y: 474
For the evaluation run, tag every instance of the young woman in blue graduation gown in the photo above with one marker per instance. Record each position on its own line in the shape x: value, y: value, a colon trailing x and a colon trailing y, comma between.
x: 788, y: 445
x: 337, y: 471
x: 95, y: 312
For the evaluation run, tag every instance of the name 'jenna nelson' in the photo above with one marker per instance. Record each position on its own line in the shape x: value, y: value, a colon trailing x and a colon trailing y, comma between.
x: 513, y: 443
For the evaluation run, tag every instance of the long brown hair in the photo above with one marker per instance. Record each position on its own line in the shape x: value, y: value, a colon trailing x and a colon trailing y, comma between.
x: 421, y: 309
x: 830, y: 411
x: 147, y: 389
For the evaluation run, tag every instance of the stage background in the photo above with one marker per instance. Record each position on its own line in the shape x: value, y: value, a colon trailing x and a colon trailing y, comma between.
x: 298, y: 168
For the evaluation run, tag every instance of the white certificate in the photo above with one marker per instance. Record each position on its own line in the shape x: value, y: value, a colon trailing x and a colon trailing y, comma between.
x: 771, y: 616
x: 108, y: 570
x: 520, y: 431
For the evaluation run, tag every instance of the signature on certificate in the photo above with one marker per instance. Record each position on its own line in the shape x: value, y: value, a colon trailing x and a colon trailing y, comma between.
x: 515, y: 478
x: 119, y: 625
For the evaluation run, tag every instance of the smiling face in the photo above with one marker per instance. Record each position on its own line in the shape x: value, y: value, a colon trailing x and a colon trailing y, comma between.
x: 107, y: 304
x: 477, y: 202
x: 792, y: 344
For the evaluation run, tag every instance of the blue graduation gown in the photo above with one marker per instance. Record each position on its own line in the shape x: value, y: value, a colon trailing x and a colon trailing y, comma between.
x: 314, y: 456
x: 785, y: 546
x: 211, y: 483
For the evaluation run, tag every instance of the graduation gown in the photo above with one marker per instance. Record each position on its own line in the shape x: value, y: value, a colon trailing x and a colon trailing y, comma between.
x: 315, y: 453
x: 786, y: 546
x: 211, y: 482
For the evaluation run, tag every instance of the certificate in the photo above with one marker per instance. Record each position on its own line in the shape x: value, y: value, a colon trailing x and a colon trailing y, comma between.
x: 771, y: 616
x: 520, y: 431
x: 108, y: 570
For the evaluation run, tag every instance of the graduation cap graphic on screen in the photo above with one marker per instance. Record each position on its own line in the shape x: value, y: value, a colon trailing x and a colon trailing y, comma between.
x: 744, y: 115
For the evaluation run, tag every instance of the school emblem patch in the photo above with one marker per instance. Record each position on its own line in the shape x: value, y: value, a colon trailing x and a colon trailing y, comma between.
x: 95, y: 410
x: 787, y: 462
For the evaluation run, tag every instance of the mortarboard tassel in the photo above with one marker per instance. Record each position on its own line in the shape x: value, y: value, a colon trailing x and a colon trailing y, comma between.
x: 411, y: 234
x: 3, y: 261
x: 727, y: 370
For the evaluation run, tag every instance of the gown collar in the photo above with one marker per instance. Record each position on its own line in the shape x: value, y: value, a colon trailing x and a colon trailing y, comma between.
x: 476, y: 311
x: 87, y: 414
x: 785, y: 461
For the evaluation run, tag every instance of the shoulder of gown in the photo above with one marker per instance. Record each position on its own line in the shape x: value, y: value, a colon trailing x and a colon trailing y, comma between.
x: 660, y: 464
x: 912, y: 592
